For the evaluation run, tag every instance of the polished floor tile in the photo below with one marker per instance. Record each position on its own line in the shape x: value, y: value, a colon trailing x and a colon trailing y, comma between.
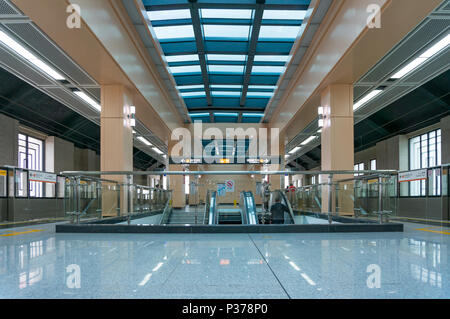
x: 35, y: 262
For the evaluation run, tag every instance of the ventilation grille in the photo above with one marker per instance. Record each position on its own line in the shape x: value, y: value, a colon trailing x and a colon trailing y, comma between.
x: 95, y: 92
x: 41, y: 44
x: 420, y: 38
x: 6, y: 9
x: 75, y: 104
x: 359, y: 91
x: 28, y: 74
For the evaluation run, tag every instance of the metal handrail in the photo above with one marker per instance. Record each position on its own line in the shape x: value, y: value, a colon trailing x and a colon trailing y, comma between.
x: 166, y: 212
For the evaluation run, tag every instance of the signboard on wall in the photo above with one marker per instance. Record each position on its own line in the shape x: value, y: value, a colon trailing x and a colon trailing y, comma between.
x: 412, y: 176
x: 44, y: 177
x: 221, y: 189
x: 229, y: 186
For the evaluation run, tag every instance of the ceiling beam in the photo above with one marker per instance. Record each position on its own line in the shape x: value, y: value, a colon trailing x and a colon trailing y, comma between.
x: 195, y: 16
x: 257, y: 20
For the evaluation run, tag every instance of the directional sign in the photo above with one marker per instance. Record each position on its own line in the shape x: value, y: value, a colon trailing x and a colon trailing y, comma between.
x: 221, y: 189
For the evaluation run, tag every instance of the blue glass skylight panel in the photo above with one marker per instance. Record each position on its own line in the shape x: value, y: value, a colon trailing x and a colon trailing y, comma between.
x: 284, y: 14
x: 268, y: 69
x: 226, y: 57
x: 169, y: 14
x: 282, y: 32
x: 271, y: 58
x: 182, y: 58
x: 226, y: 31
x: 227, y: 13
x: 185, y: 69
x: 226, y: 93
x: 226, y: 68
x: 174, y: 32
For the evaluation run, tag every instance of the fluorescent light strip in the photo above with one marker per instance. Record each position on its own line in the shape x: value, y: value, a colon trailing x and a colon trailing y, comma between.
x: 366, y: 99
x: 88, y: 100
x: 157, y: 150
x: 19, y: 49
x: 144, y: 140
x: 263, y: 87
x: 414, y: 64
x: 159, y: 15
x: 308, y: 140
x: 294, y: 150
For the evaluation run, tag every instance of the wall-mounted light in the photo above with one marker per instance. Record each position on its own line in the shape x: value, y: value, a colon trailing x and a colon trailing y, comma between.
x: 324, y: 116
x: 132, y: 116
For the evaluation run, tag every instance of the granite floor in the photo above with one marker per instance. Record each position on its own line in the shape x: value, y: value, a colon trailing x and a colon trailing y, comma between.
x: 35, y: 262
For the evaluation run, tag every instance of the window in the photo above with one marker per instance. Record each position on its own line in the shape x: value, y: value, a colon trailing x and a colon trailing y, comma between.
x: 373, y: 165
x: 31, y: 156
x: 424, y: 152
x: 359, y: 167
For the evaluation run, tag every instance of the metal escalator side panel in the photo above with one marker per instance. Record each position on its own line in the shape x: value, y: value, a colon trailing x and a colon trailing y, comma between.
x: 243, y: 208
x: 252, y: 218
x: 288, y: 204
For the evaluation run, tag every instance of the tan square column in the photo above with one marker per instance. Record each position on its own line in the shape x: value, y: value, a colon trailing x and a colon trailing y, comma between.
x: 116, y: 146
x: 337, y: 140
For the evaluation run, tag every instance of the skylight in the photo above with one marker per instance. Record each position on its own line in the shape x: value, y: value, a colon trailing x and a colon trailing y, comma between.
x: 284, y: 14
x: 226, y: 68
x: 268, y: 69
x: 169, y: 14
x: 174, y: 32
x: 226, y: 114
x: 226, y: 86
x: 260, y: 94
x: 271, y: 58
x: 279, y: 32
x: 185, y: 69
x: 193, y: 94
x: 190, y: 87
x: 226, y: 57
x: 262, y: 87
x: 198, y: 114
x: 226, y: 31
x: 182, y: 58
x: 226, y: 93
x: 253, y: 114
x: 227, y: 13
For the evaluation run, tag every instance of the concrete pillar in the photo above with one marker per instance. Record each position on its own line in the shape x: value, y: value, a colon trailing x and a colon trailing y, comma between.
x: 338, y: 141
x: 116, y: 142
x: 9, y: 130
x: 445, y: 140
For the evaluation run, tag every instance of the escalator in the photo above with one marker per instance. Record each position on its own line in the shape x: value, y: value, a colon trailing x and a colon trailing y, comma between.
x: 245, y: 214
x: 279, y: 194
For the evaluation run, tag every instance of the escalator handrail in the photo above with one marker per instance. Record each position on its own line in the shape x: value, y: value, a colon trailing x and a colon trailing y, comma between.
x: 213, y: 217
x: 249, y: 213
x: 283, y: 196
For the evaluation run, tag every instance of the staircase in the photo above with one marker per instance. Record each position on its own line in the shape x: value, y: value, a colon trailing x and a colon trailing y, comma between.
x: 186, y: 217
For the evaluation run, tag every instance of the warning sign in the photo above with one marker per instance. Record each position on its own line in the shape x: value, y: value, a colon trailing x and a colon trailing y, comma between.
x: 229, y: 185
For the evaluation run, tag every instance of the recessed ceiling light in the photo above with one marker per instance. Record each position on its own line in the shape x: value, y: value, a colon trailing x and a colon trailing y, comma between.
x: 144, y: 140
x: 88, y: 100
x: 308, y: 140
x: 366, y: 99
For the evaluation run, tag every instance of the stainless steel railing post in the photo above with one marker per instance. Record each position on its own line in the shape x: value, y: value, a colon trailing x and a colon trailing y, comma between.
x: 129, y: 199
x: 380, y: 198
x: 330, y: 196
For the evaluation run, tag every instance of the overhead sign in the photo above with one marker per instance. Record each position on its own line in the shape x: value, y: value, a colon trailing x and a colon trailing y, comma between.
x: 229, y: 185
x: 44, y: 177
x: 412, y: 176
x: 2, y: 172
